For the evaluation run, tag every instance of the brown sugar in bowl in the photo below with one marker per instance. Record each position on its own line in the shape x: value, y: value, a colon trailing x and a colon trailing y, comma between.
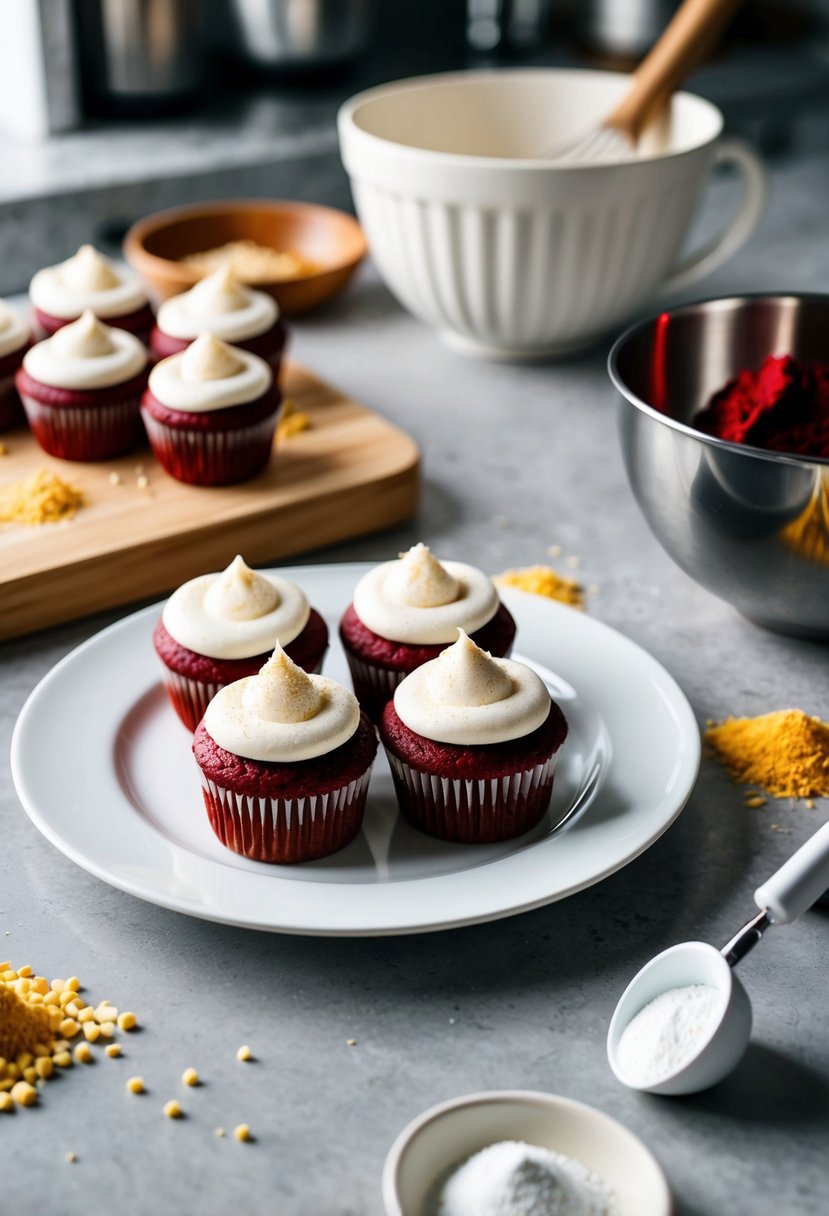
x: 331, y: 239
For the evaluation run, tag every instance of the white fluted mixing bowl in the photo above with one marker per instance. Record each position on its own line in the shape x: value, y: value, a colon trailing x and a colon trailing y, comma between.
x: 512, y: 256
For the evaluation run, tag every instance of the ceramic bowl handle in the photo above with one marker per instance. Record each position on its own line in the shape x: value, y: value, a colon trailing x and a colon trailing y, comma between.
x: 799, y: 882
x: 741, y: 226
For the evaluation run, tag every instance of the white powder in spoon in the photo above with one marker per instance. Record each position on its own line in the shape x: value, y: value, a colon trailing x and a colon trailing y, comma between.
x: 515, y: 1179
x: 668, y: 1033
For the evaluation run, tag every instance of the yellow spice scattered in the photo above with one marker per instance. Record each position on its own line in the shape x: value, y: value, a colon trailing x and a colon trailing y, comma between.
x: 113, y: 1050
x: 82, y: 1054
x: 785, y: 753
x: 244, y: 1053
x: 70, y: 1158
x: 190, y: 1076
x: 24, y: 1094
x: 543, y: 580
x: 40, y: 499
x: 291, y: 422
x: 6, y: 1102
x: 220, y: 1131
x: 135, y: 1085
x: 252, y: 262
x: 351, y: 1042
x: 172, y: 1109
x: 127, y: 1021
x: 755, y: 801
x: 241, y: 1132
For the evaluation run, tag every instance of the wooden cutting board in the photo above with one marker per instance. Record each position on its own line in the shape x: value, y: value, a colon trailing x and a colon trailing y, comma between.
x: 350, y: 473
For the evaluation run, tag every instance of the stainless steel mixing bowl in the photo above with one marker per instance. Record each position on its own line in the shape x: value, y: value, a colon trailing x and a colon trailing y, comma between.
x: 750, y: 526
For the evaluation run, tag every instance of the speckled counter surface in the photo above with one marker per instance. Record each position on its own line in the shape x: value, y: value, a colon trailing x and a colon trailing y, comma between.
x: 516, y: 459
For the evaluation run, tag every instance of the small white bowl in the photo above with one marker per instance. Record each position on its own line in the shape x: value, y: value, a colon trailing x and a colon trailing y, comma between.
x: 508, y: 254
x: 449, y: 1133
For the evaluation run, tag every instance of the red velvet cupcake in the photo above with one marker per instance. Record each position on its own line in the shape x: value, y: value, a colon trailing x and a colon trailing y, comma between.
x: 15, y: 339
x: 406, y: 612
x: 62, y: 293
x: 221, y: 306
x: 81, y: 390
x: 286, y: 759
x: 220, y: 628
x: 473, y: 743
x: 211, y: 413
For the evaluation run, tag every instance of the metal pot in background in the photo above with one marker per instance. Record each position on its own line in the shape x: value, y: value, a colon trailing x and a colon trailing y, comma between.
x: 141, y: 54
x: 302, y: 35
x: 622, y: 28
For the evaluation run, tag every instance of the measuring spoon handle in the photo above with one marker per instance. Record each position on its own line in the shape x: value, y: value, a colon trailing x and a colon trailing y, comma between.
x: 798, y: 883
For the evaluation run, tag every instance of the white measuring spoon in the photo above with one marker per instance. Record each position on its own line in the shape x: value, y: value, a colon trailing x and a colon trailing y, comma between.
x: 782, y: 899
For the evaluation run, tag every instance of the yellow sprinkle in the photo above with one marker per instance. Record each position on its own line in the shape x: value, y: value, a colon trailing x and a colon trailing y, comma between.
x: 6, y: 1102
x: 142, y: 481
x: 135, y: 1085
x: 172, y: 1109
x: 87, y: 1014
x: 220, y: 1131
x: 70, y: 1158
x: 30, y: 1074
x: 554, y: 551
x: 83, y: 1054
x: 127, y: 1021
x: 241, y: 1132
x: 24, y: 972
x: 24, y: 1094
x: 73, y: 984
x: 292, y: 424
x: 115, y: 479
x: 351, y: 1042
x: 69, y: 1028
x: 44, y: 1067
x: 244, y: 1053
x: 190, y: 1076
x: 92, y: 1031
x: 543, y: 580
x: 755, y: 800
x: 113, y: 1050
x: 63, y: 1059
x: 810, y: 804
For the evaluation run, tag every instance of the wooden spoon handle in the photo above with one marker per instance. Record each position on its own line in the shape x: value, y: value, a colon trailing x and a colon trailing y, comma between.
x: 693, y: 30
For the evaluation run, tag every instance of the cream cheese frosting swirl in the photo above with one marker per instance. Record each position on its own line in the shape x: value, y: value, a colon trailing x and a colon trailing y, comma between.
x: 422, y: 601
x: 235, y: 614
x: 466, y: 697
x: 85, y: 355
x: 87, y: 280
x: 14, y: 332
x: 282, y: 715
x: 219, y: 305
x: 209, y: 375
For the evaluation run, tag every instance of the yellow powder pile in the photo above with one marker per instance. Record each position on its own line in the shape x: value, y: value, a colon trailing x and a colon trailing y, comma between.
x: 39, y: 1019
x: 40, y: 499
x: 253, y: 263
x: 785, y: 753
x: 291, y: 422
x: 543, y: 580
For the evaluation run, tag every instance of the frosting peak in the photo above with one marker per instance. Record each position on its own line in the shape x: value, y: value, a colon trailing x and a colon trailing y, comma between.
x: 209, y: 358
x: 89, y: 270
x: 464, y: 674
x: 282, y: 692
x: 220, y: 292
x: 466, y: 697
x: 85, y: 338
x: 240, y: 594
x: 221, y: 305
x: 420, y: 580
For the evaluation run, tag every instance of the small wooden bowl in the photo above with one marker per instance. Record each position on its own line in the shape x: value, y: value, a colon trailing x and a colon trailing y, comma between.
x: 332, y: 239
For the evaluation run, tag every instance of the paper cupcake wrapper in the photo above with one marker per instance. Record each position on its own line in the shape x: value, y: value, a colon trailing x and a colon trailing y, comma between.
x: 286, y: 830
x: 373, y: 686
x: 211, y: 458
x: 190, y: 698
x: 473, y: 812
x: 11, y: 411
x: 96, y: 432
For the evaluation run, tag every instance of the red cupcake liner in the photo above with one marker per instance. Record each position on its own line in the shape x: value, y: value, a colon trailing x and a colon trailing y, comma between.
x: 86, y: 432
x: 11, y: 408
x: 212, y: 458
x: 190, y: 698
x: 473, y: 812
x: 286, y: 831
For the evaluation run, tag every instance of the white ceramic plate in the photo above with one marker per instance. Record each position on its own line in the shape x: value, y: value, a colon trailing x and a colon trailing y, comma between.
x: 103, y: 767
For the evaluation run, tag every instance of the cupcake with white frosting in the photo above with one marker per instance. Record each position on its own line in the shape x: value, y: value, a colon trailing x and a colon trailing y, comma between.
x: 88, y: 280
x: 82, y: 389
x: 405, y: 612
x: 222, y: 627
x: 286, y: 759
x: 473, y: 742
x: 211, y: 413
x: 15, y: 339
x: 222, y: 306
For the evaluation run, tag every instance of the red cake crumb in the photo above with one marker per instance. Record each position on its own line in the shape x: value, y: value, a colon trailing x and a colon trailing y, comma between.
x: 782, y: 407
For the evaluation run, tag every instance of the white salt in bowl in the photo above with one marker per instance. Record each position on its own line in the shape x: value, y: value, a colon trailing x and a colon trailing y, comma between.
x: 446, y: 1135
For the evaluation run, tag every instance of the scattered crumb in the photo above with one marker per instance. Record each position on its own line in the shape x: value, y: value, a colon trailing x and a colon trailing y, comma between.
x: 755, y: 801
x: 136, y: 1085
x: 593, y: 589
x: 244, y: 1053
x: 83, y: 1054
x: 190, y: 1076
x: 40, y: 499
x: 573, y: 562
x: 220, y: 1131
x: 70, y: 1157
x: 142, y: 481
x: 543, y: 580
x: 351, y: 1042
x: 554, y: 550
x: 810, y: 804
x: 172, y: 1109
x: 115, y: 479
x: 113, y: 1050
x: 6, y: 1102
x: 778, y: 827
x: 127, y: 1020
x: 242, y: 1132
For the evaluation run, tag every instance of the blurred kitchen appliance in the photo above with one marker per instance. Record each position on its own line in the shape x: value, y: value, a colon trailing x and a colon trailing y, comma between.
x: 506, y: 24
x: 623, y: 28
x: 301, y: 35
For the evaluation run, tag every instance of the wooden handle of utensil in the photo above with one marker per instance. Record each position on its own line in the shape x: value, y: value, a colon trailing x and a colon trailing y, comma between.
x: 692, y: 32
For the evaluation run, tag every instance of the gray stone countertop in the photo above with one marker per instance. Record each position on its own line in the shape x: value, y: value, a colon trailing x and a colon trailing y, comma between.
x: 516, y: 459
